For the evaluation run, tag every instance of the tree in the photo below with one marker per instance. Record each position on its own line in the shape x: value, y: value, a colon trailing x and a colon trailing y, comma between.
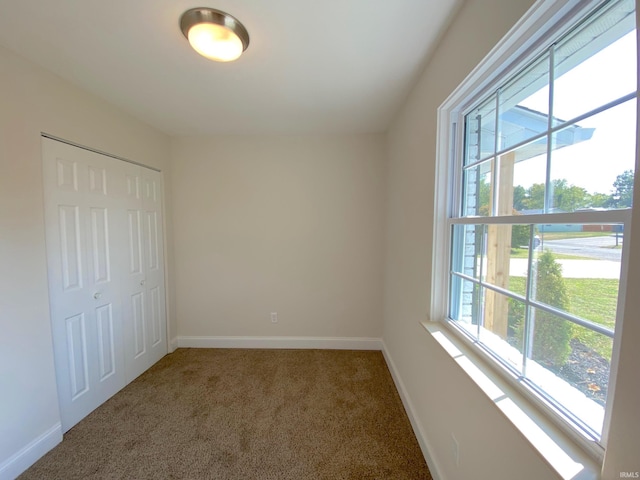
x: 535, y: 197
x: 622, y: 196
x: 565, y: 198
x: 599, y: 200
x: 484, y: 197
x: 519, y: 197
x: 568, y: 198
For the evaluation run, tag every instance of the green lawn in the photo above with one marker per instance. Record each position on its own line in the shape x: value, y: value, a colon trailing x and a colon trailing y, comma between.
x: 524, y: 253
x: 594, y: 299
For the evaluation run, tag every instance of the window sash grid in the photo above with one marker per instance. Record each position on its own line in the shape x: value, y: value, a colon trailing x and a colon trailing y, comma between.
x: 596, y: 327
x: 556, y: 128
x: 527, y: 350
x: 480, y: 313
x: 622, y: 215
x: 495, y: 175
x: 548, y: 193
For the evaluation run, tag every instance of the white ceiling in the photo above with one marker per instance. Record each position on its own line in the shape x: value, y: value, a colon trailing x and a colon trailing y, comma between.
x: 330, y: 66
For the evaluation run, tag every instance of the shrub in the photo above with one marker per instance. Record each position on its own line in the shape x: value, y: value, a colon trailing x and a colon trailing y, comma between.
x: 551, y: 335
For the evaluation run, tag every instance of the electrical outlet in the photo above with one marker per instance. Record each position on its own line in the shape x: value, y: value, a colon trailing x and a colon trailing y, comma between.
x: 274, y: 317
x: 454, y: 449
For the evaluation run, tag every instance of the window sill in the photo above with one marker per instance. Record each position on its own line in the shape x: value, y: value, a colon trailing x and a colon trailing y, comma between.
x: 556, y: 448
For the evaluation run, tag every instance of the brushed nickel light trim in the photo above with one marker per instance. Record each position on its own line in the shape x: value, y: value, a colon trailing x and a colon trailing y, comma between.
x: 222, y: 23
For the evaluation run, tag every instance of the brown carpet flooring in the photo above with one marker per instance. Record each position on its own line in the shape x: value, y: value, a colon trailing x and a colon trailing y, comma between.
x: 246, y: 414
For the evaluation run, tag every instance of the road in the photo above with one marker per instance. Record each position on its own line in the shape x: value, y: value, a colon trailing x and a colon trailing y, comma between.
x: 573, y: 268
x: 605, y: 263
x: 600, y: 248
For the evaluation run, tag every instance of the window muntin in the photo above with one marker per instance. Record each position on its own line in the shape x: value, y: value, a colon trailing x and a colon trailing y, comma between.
x: 481, y: 132
x: 522, y: 116
x: 478, y: 185
x: 598, y: 45
x: 606, y: 139
x: 549, y: 304
x: 512, y: 286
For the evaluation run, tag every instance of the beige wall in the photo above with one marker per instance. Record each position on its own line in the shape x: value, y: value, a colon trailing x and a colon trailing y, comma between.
x: 32, y: 101
x: 445, y: 399
x: 287, y: 224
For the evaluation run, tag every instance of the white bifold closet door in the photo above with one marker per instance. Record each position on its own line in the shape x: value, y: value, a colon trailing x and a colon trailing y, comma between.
x: 106, y: 274
x: 145, y: 339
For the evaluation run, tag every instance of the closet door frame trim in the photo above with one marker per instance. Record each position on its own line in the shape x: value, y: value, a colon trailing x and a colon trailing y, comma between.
x: 106, y: 154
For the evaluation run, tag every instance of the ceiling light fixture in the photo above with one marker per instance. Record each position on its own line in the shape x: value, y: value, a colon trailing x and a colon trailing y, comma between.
x: 214, y: 34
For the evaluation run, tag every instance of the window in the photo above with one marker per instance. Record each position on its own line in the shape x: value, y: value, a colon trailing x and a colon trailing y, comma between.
x: 539, y: 161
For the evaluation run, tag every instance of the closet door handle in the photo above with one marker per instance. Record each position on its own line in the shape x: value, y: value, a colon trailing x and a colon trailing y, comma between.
x: 142, y: 283
x: 97, y: 295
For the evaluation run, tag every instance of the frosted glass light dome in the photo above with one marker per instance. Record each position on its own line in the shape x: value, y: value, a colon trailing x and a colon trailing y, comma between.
x: 214, y: 34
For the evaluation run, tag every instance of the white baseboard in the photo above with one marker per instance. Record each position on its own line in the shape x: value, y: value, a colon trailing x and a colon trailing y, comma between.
x: 328, y: 343
x: 173, y: 344
x: 413, y: 418
x: 31, y: 453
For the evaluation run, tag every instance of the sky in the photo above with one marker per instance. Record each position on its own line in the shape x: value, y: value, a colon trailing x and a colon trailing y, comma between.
x: 604, y: 77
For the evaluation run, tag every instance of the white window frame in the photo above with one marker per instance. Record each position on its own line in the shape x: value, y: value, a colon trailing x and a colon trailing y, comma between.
x: 545, y: 21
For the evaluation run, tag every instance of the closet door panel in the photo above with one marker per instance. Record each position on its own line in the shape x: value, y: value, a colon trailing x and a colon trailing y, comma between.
x: 80, y: 206
x: 154, y: 265
x: 133, y: 278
